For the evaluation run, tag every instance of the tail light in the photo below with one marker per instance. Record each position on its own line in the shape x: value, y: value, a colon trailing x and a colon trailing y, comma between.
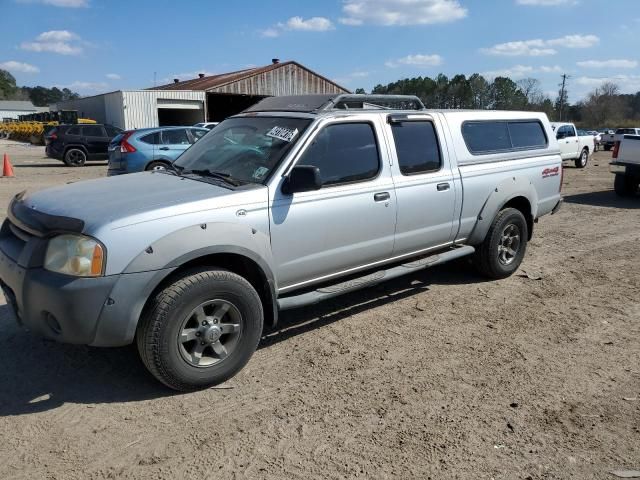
x: 125, y: 146
x: 53, y: 136
x: 616, y: 149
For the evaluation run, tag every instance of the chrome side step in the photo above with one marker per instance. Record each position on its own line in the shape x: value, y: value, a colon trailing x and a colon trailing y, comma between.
x: 330, y: 291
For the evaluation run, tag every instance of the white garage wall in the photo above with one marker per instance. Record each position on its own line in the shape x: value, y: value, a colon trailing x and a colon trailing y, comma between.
x: 141, y: 106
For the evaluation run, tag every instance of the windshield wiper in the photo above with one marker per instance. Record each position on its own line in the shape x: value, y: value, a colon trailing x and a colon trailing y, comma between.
x: 225, y: 177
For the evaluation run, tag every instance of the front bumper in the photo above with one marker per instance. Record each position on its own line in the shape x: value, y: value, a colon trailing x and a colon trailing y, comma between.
x: 100, y: 311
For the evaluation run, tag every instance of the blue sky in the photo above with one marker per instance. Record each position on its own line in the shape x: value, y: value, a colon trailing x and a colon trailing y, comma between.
x: 93, y: 46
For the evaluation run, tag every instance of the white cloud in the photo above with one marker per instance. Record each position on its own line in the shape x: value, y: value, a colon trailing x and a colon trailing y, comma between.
x: 401, y: 12
x: 546, y: 3
x: 313, y: 24
x: 60, y: 3
x: 351, y: 77
x: 539, y: 47
x: 270, y: 32
x: 627, y: 83
x: 113, y: 76
x: 13, y: 66
x: 616, y: 63
x: 521, y: 71
x: 418, y: 60
x: 85, y: 87
x: 62, y: 42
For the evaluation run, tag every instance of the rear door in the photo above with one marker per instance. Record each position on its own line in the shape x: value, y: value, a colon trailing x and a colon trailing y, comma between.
x: 174, y: 142
x: 424, y: 184
x: 96, y: 140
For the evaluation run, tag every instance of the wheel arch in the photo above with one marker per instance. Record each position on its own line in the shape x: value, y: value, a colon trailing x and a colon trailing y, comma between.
x: 157, y: 160
x: 76, y: 146
x: 514, y: 192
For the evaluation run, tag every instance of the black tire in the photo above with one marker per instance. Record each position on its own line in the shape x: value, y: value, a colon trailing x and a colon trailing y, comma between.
x: 157, y: 165
x: 75, y: 157
x: 582, y: 160
x: 625, y: 186
x: 159, y: 332
x: 607, y: 148
x: 489, y: 258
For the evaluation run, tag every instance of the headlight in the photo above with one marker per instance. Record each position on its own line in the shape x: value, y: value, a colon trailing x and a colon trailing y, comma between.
x: 75, y: 255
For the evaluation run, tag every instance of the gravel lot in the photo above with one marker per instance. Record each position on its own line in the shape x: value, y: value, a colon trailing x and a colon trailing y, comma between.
x: 440, y: 375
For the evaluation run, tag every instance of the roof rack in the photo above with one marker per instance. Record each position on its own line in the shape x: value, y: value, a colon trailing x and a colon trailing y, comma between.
x: 320, y: 103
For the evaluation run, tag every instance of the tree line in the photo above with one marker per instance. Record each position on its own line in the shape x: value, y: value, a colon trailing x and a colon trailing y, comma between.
x: 39, y: 96
x: 605, y: 107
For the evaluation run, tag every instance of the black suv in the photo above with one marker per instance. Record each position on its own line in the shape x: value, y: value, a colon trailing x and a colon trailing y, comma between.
x: 76, y: 144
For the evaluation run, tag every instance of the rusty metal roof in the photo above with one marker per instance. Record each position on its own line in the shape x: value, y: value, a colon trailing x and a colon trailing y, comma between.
x: 216, y: 81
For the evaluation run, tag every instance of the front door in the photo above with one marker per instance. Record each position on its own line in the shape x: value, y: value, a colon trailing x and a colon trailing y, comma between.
x: 350, y: 221
x: 568, y: 142
x: 174, y: 142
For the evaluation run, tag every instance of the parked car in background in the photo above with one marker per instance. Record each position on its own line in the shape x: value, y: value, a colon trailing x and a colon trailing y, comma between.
x: 150, y: 148
x: 77, y: 144
x: 597, y: 137
x: 573, y: 145
x: 295, y: 201
x: 612, y: 136
x: 626, y: 165
x: 207, y: 125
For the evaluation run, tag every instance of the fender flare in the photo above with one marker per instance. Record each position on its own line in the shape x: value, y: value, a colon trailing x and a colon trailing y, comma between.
x: 503, y: 193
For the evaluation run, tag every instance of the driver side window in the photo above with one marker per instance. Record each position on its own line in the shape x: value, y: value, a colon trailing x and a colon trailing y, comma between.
x: 344, y: 153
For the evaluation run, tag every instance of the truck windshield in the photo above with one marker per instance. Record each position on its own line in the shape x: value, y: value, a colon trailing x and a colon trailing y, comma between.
x: 245, y: 149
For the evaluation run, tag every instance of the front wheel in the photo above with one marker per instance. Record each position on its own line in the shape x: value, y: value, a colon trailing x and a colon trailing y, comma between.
x: 625, y: 186
x: 503, y: 249
x: 582, y: 160
x: 201, y: 330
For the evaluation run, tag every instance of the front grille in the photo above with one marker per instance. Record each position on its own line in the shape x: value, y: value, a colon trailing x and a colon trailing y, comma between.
x: 13, y: 240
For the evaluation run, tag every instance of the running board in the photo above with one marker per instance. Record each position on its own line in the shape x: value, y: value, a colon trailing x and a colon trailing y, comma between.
x: 352, y: 285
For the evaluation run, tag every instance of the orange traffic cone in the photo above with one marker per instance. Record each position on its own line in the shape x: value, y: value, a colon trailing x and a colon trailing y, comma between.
x: 7, y: 169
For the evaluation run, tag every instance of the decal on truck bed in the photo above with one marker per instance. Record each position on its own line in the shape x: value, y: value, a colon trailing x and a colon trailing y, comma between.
x: 550, y: 172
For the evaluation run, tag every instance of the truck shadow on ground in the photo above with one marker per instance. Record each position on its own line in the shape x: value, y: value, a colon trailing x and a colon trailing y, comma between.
x: 38, y: 375
x: 605, y: 198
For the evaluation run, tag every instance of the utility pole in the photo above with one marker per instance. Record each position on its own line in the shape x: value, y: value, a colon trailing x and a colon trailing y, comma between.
x: 562, y: 94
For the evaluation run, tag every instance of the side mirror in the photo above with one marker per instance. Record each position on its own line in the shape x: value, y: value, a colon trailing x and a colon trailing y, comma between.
x: 302, y: 178
x: 560, y: 136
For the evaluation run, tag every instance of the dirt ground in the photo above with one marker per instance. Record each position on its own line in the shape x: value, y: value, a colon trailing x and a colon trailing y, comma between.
x: 440, y: 375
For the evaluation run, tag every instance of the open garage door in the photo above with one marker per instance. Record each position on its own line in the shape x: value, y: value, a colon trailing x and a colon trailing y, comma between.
x: 179, y: 112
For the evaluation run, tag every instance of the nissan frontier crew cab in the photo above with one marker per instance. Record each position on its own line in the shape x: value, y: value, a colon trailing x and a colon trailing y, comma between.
x: 296, y: 200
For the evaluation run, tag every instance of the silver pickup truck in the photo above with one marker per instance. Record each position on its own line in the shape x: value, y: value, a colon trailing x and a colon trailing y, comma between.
x: 296, y: 200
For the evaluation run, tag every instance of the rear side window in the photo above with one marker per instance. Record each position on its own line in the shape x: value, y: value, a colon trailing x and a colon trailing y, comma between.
x: 93, y: 131
x: 417, y: 147
x: 74, y: 131
x: 527, y: 135
x: 175, y: 137
x: 344, y: 153
x: 152, y: 138
x: 503, y: 136
x: 197, y: 134
x: 112, y: 131
x: 625, y: 131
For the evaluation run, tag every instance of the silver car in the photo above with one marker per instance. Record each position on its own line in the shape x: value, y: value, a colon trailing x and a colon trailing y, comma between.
x: 294, y: 201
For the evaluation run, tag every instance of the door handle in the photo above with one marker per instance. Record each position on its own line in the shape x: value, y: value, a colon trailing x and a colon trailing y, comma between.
x: 381, y: 197
x: 443, y: 186
x: 163, y: 148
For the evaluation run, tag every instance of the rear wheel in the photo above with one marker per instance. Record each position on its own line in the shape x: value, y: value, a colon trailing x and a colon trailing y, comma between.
x: 503, y: 249
x: 200, y: 330
x: 75, y: 157
x: 582, y: 160
x: 607, y: 148
x: 156, y: 165
x: 625, y: 186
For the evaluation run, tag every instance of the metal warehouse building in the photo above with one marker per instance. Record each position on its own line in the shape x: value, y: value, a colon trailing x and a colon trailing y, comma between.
x: 12, y: 109
x: 206, y: 98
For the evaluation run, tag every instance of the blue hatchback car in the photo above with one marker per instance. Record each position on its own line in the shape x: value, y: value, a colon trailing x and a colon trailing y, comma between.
x: 150, y: 148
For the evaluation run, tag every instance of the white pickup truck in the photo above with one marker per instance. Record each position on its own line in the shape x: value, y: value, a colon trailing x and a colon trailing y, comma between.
x: 573, y: 146
x: 626, y: 165
x: 609, y: 139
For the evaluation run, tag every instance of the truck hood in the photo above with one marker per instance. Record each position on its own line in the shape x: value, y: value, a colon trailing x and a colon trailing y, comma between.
x: 126, y: 199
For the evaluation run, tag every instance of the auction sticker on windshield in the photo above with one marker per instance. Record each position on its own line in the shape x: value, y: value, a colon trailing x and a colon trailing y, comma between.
x: 282, y: 133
